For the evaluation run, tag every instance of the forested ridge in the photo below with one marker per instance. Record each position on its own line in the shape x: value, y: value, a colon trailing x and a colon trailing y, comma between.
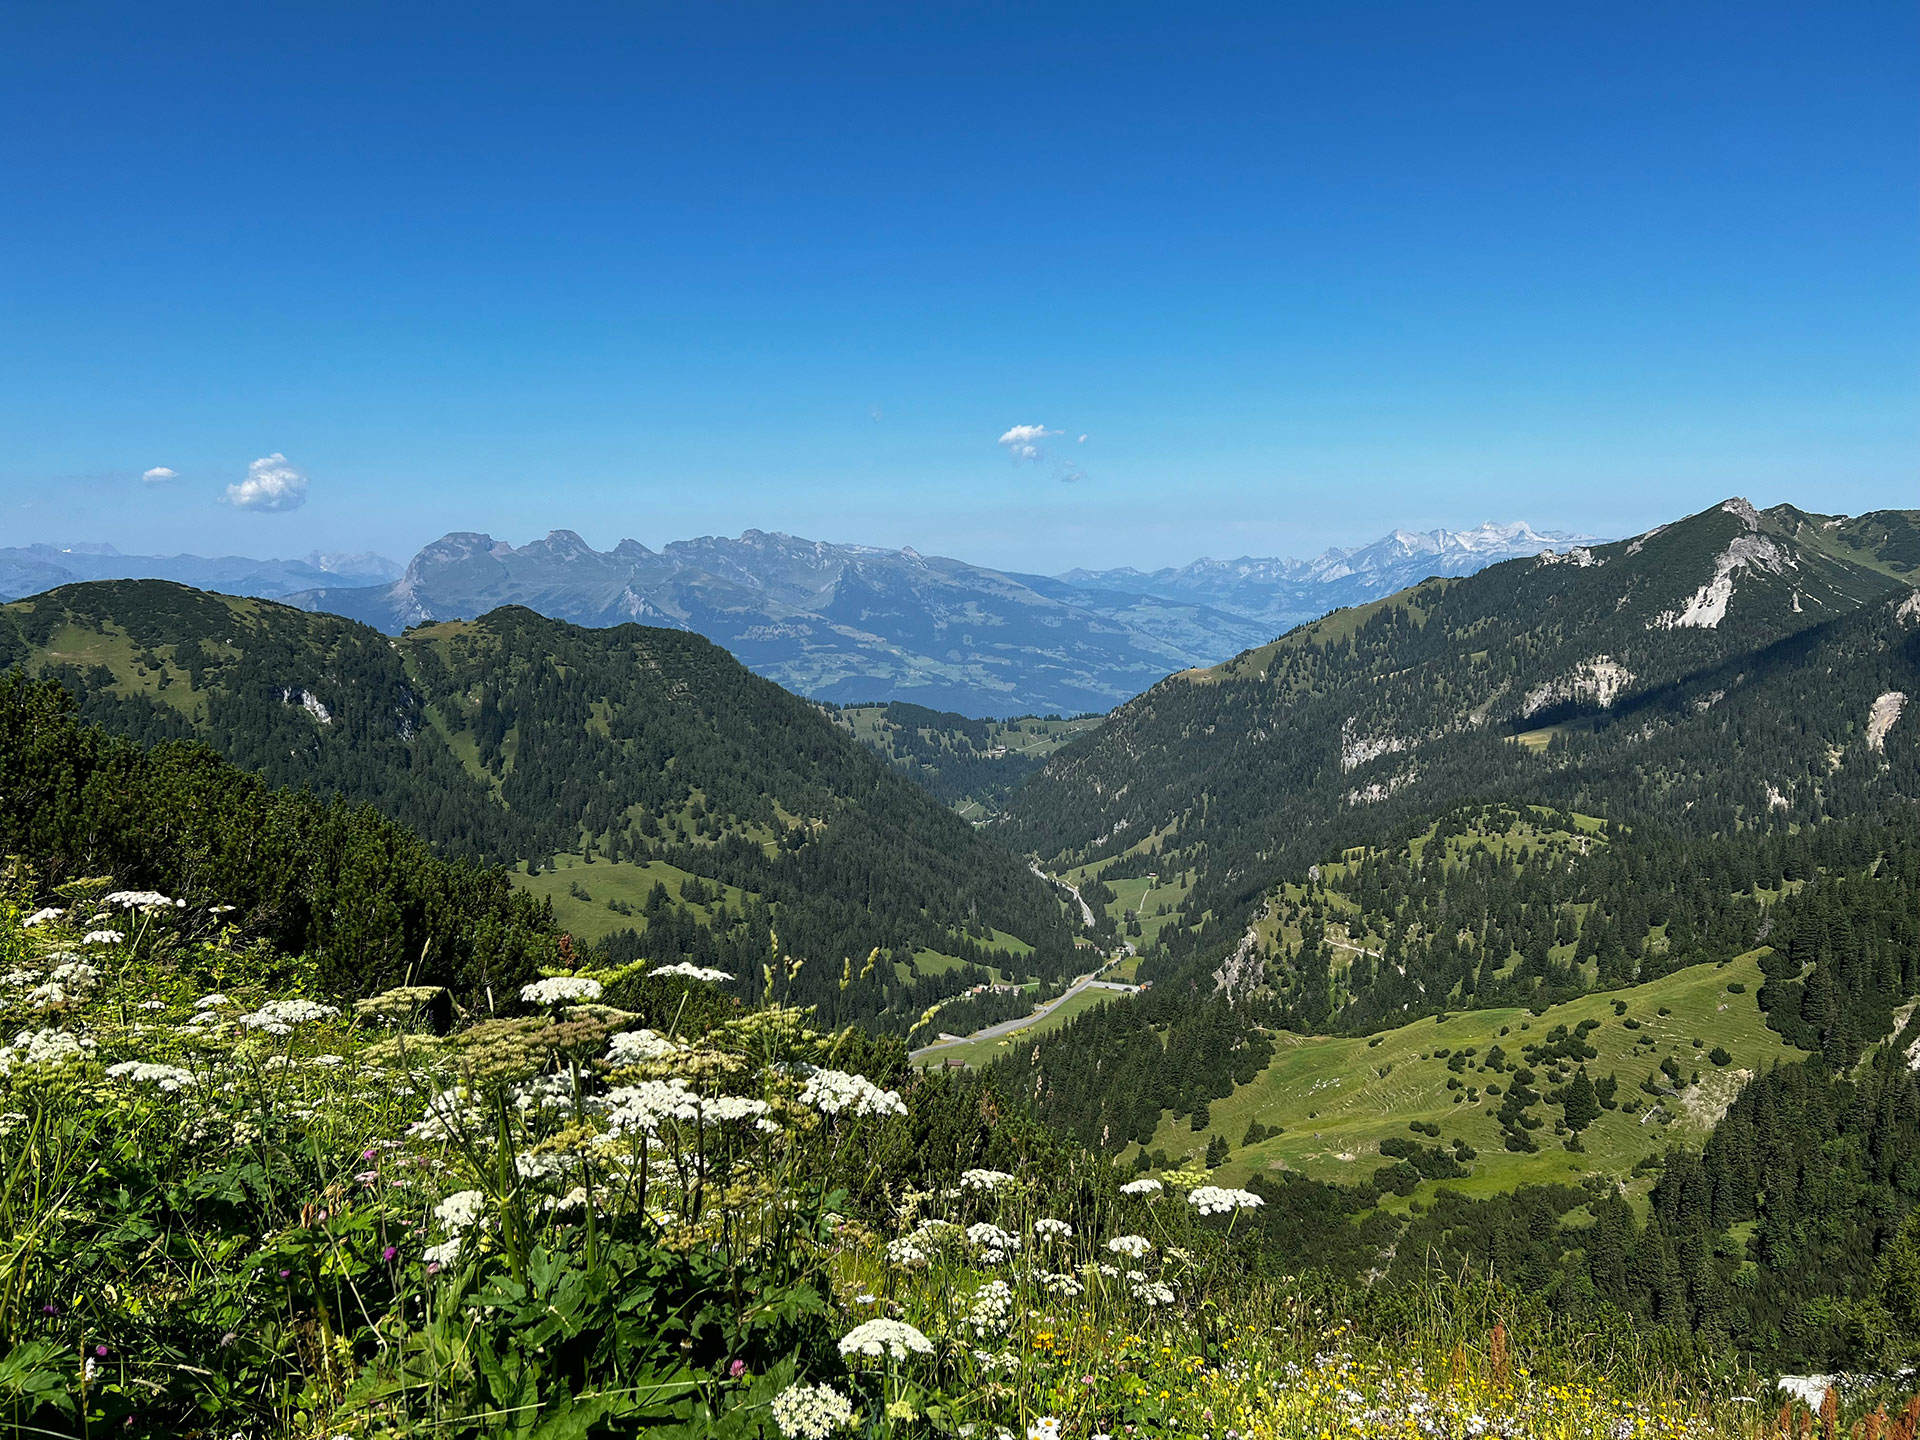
x: 514, y: 739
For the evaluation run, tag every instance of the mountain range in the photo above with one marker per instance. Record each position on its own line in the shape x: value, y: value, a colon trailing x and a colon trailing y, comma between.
x: 843, y: 623
x: 853, y: 623
x: 29, y: 569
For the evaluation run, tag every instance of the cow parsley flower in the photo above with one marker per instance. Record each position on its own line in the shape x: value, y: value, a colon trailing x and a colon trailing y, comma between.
x: 1141, y: 1187
x: 992, y: 1303
x: 1213, y: 1200
x: 42, y: 917
x: 989, y: 1361
x: 279, y: 1017
x: 558, y: 989
x: 461, y: 1211
x: 442, y: 1254
x: 1064, y: 1286
x: 693, y: 972
x: 1132, y: 1246
x: 811, y: 1412
x: 884, y: 1339
x: 833, y: 1092
x: 993, y: 1243
x: 103, y: 937
x: 138, y: 900
x: 44, y: 1050
x: 1050, y: 1230
x: 1152, y: 1293
x: 637, y: 1047
x: 984, y: 1180
x: 906, y: 1253
x: 168, y: 1077
x: 641, y: 1108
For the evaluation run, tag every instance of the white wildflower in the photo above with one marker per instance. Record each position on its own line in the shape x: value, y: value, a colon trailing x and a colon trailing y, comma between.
x: 19, y: 977
x: 1005, y: 1361
x: 542, y: 1092
x: 889, y: 1339
x: 1062, y: 1285
x: 834, y: 1091
x: 985, y: 1180
x: 460, y: 1211
x: 1152, y: 1292
x: 44, y: 1050
x: 811, y: 1412
x: 992, y: 1303
x: 443, y: 1254
x: 641, y: 1108
x: 557, y: 989
x: 103, y: 937
x: 211, y: 1002
x: 42, y: 917
x: 1213, y: 1200
x: 1044, y: 1428
x: 993, y: 1243
x: 906, y: 1253
x: 137, y: 900
x: 1133, y: 1246
x: 1052, y: 1230
x: 279, y: 1017
x: 693, y: 972
x: 636, y: 1047
x: 1141, y: 1187
x: 140, y: 1072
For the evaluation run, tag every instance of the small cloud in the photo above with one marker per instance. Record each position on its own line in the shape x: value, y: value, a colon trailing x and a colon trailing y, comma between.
x: 1029, y: 443
x: 271, y: 484
x: 159, y: 475
x: 1025, y: 442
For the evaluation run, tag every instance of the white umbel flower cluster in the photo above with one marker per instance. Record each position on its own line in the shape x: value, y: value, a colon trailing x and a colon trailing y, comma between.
x: 884, y: 1340
x: 984, y: 1180
x: 1151, y: 1293
x: 1049, y: 1230
x: 558, y: 989
x: 811, y: 1412
x: 694, y: 972
x: 103, y: 937
x: 42, y: 917
x: 44, y: 1050
x: 280, y: 1017
x: 641, y: 1109
x: 834, y: 1092
x: 1132, y: 1246
x: 990, y: 1307
x: 1142, y: 1187
x: 141, y: 900
x: 461, y: 1211
x: 139, y: 1072
x: 994, y: 1244
x: 638, y: 1047
x: 1213, y: 1200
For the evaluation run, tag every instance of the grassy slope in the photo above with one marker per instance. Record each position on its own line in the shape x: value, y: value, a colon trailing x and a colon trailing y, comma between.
x: 984, y: 1052
x: 605, y: 880
x: 1337, y: 1107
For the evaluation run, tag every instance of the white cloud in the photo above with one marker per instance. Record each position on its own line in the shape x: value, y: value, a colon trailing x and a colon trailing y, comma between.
x: 1029, y: 443
x: 1024, y: 442
x: 159, y: 475
x: 271, y: 484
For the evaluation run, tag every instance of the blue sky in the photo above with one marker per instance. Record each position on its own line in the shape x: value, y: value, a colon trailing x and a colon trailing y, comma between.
x: 1299, y: 273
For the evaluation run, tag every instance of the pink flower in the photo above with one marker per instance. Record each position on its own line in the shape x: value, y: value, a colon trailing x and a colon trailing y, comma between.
x: 737, y: 1369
